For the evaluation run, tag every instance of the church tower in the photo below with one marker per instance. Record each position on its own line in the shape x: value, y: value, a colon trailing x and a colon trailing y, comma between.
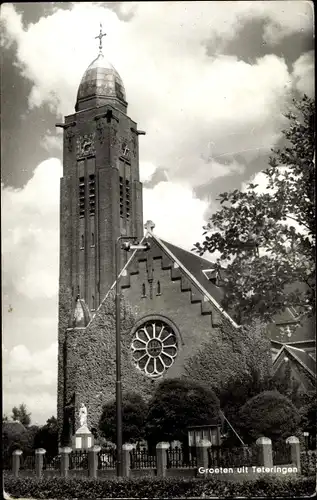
x: 101, y: 195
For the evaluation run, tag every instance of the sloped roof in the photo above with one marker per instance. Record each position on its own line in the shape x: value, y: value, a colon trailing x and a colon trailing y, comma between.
x: 299, y: 356
x: 304, y: 358
x: 196, y: 265
x: 292, y: 330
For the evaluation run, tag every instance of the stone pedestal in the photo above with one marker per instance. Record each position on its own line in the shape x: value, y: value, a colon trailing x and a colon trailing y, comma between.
x: 83, y: 439
x: 161, y: 458
x: 126, y: 459
x: 202, y: 446
x: 64, y: 466
x: 16, y: 460
x: 264, y: 445
x: 294, y: 444
x: 39, y: 459
x: 93, y: 461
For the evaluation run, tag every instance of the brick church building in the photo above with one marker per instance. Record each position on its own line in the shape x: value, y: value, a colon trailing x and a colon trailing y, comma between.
x: 171, y: 298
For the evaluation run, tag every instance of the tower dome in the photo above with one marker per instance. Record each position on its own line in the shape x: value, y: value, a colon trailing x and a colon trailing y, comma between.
x: 100, y: 84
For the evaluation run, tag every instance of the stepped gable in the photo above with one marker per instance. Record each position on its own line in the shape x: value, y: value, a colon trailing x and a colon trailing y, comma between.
x: 195, y: 266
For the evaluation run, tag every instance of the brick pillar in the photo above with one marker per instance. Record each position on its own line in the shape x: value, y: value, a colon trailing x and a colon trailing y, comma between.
x: 64, y: 465
x: 93, y: 461
x: 293, y: 441
x: 264, y: 445
x: 126, y: 459
x: 39, y: 457
x: 16, y: 459
x: 202, y: 453
x: 161, y: 458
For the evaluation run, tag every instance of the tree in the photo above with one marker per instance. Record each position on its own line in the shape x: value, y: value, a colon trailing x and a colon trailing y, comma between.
x: 268, y: 414
x: 230, y: 354
x: 14, y: 436
x: 133, y: 418
x: 47, y: 437
x: 21, y: 414
x: 267, y: 239
x: 176, y: 405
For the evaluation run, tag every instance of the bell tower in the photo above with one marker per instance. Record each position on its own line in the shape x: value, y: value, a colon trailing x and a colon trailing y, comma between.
x: 101, y: 195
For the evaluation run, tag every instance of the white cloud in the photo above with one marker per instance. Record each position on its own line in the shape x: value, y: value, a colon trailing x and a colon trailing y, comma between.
x: 31, y: 378
x: 196, y: 110
x: 177, y: 214
x: 30, y: 218
x: 180, y: 96
x: 304, y: 74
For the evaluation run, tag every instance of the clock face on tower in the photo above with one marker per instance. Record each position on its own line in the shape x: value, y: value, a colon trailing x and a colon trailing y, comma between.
x: 85, y: 145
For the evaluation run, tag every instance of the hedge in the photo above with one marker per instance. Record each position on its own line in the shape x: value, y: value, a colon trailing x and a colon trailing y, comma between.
x: 74, y: 488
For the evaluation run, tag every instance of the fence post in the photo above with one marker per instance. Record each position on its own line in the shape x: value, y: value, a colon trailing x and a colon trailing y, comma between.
x: 93, y: 460
x: 16, y: 459
x: 64, y: 465
x: 264, y: 445
x: 202, y: 453
x: 126, y: 459
x: 39, y: 456
x: 161, y: 458
x: 293, y: 442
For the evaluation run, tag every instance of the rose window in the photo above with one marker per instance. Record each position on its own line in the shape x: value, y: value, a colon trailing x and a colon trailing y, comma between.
x: 154, y: 348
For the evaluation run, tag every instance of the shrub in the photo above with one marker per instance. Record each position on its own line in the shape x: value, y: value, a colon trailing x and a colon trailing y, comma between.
x: 176, y: 405
x: 268, y: 414
x: 134, y: 411
x: 69, y: 488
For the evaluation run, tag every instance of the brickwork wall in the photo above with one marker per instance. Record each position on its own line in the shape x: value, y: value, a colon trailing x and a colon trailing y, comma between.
x: 91, y: 352
x: 91, y: 361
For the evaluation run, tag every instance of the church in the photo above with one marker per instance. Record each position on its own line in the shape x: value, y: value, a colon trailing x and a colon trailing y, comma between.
x: 171, y: 298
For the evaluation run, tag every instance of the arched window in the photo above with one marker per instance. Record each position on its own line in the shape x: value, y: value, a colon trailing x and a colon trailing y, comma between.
x: 92, y: 239
x: 158, y: 289
x: 93, y: 307
x: 143, y: 290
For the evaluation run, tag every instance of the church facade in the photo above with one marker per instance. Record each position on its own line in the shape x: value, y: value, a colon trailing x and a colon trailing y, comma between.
x: 170, y: 297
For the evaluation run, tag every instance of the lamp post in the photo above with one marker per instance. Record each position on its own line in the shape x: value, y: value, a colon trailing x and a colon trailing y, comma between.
x: 127, y: 246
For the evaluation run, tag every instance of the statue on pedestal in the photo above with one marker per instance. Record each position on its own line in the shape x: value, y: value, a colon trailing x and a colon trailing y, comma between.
x: 83, y: 415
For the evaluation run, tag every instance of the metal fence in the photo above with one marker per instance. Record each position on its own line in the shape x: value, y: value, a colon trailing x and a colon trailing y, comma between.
x: 51, y: 462
x: 107, y: 458
x: 232, y: 457
x: 27, y: 461
x: 177, y: 459
x: 141, y: 459
x: 78, y: 460
x: 281, y: 453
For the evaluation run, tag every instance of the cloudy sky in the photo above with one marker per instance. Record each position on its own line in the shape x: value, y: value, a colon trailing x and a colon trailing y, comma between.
x: 207, y: 81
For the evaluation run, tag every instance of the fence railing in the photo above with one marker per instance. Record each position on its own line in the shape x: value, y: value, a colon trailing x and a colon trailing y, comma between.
x: 141, y: 459
x: 51, y: 462
x: 177, y: 459
x: 107, y: 458
x: 281, y: 453
x: 78, y: 460
x: 233, y: 457
x: 27, y: 462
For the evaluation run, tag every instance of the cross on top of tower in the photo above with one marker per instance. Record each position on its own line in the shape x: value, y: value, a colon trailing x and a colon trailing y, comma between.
x: 100, y: 36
